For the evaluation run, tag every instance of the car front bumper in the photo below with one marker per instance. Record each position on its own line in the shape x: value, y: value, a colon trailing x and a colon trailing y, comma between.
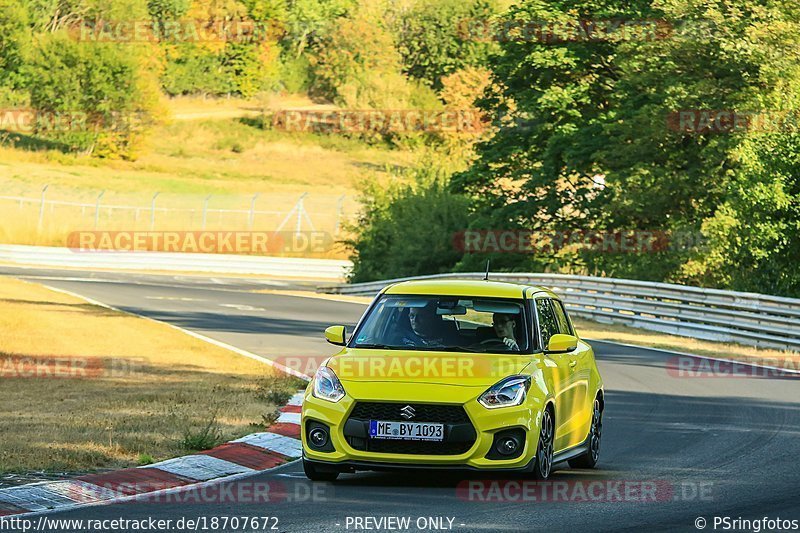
x: 486, y: 423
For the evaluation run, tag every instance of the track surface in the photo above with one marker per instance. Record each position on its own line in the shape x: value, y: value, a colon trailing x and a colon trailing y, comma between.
x: 735, y: 440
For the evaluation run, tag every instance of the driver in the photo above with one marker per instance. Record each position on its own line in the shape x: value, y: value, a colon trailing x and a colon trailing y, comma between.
x: 504, y: 326
x: 427, y: 327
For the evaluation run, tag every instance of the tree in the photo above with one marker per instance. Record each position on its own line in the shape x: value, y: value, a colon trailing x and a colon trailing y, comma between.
x: 585, y: 141
x: 432, y: 39
x: 357, y: 53
x: 14, y: 43
x: 111, y: 89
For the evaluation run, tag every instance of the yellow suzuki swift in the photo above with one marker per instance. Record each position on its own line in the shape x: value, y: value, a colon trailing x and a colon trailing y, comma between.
x: 455, y: 374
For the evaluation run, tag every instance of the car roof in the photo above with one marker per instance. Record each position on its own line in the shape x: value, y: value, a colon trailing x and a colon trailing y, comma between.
x: 468, y: 287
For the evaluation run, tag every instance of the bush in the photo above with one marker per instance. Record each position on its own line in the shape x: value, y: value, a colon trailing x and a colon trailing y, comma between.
x: 295, y: 74
x: 114, y: 89
x: 357, y: 64
x: 408, y: 229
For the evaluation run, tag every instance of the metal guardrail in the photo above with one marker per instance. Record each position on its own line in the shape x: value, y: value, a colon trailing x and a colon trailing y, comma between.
x: 712, y: 314
x: 317, y: 269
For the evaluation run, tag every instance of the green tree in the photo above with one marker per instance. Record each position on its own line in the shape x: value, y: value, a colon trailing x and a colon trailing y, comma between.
x: 433, y: 42
x: 112, y: 87
x: 14, y: 43
x: 584, y: 141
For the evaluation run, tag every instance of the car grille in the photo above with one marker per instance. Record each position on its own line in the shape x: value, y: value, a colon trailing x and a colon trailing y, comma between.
x: 445, y: 414
x: 459, y: 433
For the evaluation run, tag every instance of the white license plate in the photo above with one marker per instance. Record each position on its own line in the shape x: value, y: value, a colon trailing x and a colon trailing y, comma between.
x: 406, y: 430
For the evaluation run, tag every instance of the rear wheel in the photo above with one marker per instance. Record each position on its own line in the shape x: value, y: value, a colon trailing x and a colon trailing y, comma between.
x: 314, y: 473
x: 592, y: 455
x: 544, y: 451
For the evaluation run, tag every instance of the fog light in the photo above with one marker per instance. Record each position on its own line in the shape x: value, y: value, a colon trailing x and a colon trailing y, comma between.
x: 318, y: 437
x: 507, y: 446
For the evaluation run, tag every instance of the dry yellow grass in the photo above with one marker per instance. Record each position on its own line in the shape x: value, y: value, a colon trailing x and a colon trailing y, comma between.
x: 143, y: 386
x: 220, y: 155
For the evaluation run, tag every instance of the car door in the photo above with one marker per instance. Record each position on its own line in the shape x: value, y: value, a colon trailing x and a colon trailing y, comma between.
x: 561, y: 374
x: 579, y: 364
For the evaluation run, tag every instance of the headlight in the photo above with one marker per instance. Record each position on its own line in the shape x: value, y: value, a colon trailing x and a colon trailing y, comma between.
x: 510, y: 391
x: 327, y: 386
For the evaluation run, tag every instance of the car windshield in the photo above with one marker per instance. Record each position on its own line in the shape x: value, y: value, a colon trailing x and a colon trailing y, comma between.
x: 445, y: 323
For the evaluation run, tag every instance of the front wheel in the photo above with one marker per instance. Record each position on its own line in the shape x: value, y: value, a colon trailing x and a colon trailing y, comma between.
x: 544, y: 451
x: 592, y: 455
x: 315, y: 474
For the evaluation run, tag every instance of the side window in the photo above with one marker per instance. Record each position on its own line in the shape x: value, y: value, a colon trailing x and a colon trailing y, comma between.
x: 561, y: 317
x: 547, y: 320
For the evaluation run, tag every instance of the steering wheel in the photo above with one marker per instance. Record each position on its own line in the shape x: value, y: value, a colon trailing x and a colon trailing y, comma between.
x: 495, y: 341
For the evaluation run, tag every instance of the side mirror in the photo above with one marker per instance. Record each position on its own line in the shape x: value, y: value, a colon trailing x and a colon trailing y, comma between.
x: 335, y: 335
x: 561, y: 343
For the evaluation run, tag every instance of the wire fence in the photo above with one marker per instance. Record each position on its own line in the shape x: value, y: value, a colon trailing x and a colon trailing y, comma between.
x: 100, y: 213
x: 48, y: 216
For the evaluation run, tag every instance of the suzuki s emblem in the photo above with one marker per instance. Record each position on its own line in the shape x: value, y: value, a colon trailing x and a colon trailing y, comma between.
x: 408, y: 412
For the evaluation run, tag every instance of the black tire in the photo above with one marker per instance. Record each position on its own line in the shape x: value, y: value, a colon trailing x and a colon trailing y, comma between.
x: 315, y: 474
x: 544, y: 451
x: 590, y: 458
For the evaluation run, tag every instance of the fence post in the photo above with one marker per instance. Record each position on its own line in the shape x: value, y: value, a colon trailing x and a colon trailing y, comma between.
x: 339, y: 212
x: 252, y: 210
x: 97, y: 208
x: 41, y: 208
x: 205, y: 209
x: 300, y: 211
x: 153, y: 211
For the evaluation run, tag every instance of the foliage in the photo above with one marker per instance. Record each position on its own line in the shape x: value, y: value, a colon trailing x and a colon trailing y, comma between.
x: 356, y: 63
x: 432, y: 39
x: 106, y: 89
x: 14, y: 42
x: 584, y: 143
x: 408, y: 229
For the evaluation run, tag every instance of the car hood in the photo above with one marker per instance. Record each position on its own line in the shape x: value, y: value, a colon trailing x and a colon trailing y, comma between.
x: 442, y: 368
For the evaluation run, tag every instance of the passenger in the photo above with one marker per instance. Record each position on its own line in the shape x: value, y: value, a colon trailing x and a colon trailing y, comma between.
x: 504, y: 327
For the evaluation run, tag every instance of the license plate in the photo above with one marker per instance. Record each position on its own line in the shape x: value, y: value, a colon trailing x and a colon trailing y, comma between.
x: 406, y: 430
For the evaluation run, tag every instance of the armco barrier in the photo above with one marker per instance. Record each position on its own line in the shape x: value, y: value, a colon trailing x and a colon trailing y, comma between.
x: 747, y: 318
x: 320, y: 269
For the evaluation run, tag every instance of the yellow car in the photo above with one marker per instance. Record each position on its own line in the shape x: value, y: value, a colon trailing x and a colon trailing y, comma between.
x: 455, y: 374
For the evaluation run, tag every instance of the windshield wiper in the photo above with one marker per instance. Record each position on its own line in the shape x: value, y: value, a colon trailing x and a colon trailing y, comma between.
x: 453, y: 349
x: 378, y: 347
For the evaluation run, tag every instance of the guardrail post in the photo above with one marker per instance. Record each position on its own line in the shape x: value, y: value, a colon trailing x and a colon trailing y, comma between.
x: 97, y: 208
x: 153, y: 211
x: 41, y: 208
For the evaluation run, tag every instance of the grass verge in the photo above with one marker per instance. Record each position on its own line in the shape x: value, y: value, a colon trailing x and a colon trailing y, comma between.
x: 87, y: 388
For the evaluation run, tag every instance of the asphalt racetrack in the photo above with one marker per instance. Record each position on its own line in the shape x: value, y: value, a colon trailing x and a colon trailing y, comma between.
x: 713, y: 446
